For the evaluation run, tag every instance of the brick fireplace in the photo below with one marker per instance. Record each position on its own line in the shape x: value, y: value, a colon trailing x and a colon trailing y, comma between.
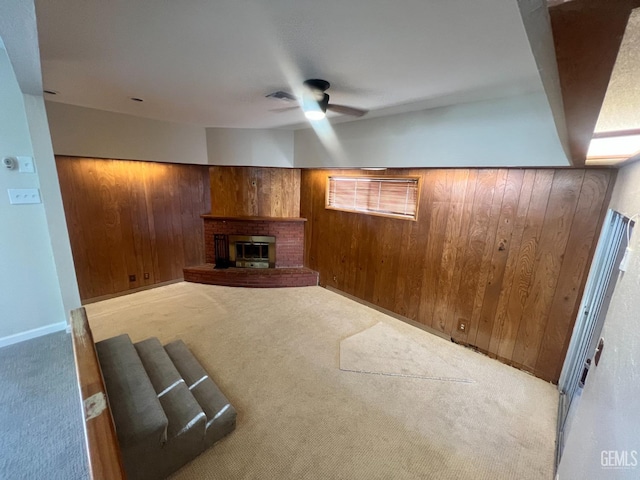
x: 288, y: 232
x: 289, y: 253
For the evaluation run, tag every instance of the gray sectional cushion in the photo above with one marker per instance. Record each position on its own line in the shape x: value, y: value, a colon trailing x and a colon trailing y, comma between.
x: 165, y: 407
x: 159, y: 367
x: 186, y: 433
x: 221, y: 416
x: 183, y: 411
x: 137, y: 412
x: 189, y: 368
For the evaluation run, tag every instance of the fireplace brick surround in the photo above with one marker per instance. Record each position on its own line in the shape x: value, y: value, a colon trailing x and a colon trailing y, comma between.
x: 289, y: 271
x: 289, y: 235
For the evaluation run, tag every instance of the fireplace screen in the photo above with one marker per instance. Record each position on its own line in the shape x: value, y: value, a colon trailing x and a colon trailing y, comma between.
x: 252, y: 251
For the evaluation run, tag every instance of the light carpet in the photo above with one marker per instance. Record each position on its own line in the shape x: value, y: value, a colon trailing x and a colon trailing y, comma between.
x: 383, y: 350
x: 42, y: 436
x: 275, y: 353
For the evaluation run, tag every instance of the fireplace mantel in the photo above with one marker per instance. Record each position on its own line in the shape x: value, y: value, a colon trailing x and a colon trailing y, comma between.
x: 253, y: 219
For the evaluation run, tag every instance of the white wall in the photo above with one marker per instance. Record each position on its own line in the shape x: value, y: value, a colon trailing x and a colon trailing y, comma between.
x: 86, y: 132
x: 79, y: 131
x: 250, y: 147
x: 512, y: 131
x: 31, y: 297
x: 52, y: 200
x: 607, y: 417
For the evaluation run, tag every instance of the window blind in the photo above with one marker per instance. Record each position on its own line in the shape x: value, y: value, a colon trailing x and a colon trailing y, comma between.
x: 391, y: 196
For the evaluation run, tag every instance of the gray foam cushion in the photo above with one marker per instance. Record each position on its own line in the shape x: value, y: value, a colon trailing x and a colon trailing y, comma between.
x: 162, y: 424
x: 189, y: 368
x: 137, y: 413
x: 183, y: 411
x: 159, y: 367
x: 221, y: 416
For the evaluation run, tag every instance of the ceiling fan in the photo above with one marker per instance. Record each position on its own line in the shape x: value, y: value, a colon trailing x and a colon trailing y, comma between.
x: 315, y: 100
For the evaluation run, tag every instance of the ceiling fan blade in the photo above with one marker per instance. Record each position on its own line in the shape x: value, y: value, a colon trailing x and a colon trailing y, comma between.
x: 345, y: 110
x: 285, y: 109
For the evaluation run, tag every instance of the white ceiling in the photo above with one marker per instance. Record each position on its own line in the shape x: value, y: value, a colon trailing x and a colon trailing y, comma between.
x: 621, y: 107
x: 620, y: 110
x: 211, y: 63
x: 19, y: 36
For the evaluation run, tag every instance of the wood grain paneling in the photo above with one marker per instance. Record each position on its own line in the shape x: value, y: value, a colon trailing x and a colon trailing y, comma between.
x: 255, y: 192
x: 504, y: 250
x: 132, y: 218
x: 592, y: 205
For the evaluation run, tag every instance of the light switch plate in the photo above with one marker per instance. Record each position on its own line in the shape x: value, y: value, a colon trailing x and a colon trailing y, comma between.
x: 25, y: 165
x: 21, y: 196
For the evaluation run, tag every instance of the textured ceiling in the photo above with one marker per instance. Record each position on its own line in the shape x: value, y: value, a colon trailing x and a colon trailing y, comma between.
x: 621, y: 107
x: 211, y: 63
x: 20, y: 38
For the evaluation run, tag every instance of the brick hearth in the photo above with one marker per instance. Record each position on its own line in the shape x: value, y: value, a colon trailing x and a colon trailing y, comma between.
x: 289, y: 271
x: 252, y: 277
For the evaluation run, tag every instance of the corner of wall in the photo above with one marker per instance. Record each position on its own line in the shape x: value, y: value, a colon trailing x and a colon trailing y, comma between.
x: 32, y: 299
x: 606, y: 420
x: 52, y: 200
x: 537, y: 24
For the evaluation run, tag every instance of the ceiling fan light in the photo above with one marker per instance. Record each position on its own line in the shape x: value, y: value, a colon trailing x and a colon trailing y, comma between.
x: 314, y: 109
x: 315, y: 114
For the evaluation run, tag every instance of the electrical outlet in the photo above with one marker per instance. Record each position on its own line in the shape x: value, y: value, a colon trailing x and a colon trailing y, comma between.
x: 21, y: 196
x: 132, y: 278
x: 146, y: 275
x: 462, y: 325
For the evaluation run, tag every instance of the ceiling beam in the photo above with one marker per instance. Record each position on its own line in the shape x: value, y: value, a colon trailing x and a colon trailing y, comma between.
x: 587, y: 36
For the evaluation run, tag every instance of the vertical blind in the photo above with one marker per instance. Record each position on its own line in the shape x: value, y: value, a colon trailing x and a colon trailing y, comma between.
x: 392, y: 196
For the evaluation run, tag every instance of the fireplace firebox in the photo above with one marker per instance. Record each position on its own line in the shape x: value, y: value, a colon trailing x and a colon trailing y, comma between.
x: 252, y: 251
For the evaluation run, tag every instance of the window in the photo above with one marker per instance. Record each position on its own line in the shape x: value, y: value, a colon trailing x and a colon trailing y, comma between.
x: 388, y: 196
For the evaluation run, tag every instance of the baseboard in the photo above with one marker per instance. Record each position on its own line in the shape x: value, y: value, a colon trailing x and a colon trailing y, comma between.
x: 29, y: 334
x: 109, y: 296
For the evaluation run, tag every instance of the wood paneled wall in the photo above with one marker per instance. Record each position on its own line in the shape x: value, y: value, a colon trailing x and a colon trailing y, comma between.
x: 506, y: 251
x: 132, y: 218
x: 255, y: 191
